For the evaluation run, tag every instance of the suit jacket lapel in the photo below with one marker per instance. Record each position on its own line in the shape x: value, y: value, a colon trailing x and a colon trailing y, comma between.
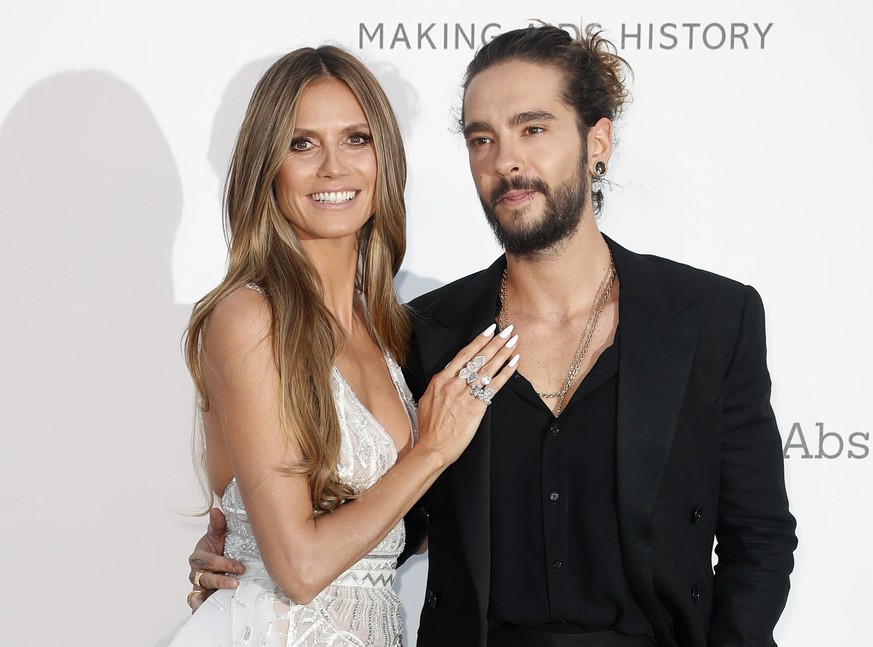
x: 658, y: 336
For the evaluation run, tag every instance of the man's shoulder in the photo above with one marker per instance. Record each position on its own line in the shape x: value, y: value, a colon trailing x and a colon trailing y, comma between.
x: 691, y: 275
x: 430, y: 302
x: 682, y: 278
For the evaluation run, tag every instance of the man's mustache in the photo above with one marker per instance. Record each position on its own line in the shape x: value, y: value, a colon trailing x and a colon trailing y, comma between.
x: 517, y: 183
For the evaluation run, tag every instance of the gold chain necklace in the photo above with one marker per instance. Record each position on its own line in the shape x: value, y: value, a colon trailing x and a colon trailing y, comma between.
x: 601, y: 298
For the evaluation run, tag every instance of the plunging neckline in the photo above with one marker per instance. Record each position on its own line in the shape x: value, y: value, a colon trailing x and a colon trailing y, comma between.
x: 386, y: 359
x: 380, y: 428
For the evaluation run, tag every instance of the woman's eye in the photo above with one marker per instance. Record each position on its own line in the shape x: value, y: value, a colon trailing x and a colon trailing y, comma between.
x: 360, y: 139
x: 301, y: 145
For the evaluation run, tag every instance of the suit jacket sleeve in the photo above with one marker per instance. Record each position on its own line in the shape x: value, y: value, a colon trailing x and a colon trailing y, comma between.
x: 754, y: 531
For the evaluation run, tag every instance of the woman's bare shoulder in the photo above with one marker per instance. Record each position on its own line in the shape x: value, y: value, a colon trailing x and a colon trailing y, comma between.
x: 240, y: 321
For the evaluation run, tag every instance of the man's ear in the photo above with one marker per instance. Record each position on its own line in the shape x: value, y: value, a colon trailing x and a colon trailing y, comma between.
x: 599, y: 144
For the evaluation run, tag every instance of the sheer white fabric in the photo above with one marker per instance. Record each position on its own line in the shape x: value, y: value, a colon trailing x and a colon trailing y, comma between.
x: 360, y: 607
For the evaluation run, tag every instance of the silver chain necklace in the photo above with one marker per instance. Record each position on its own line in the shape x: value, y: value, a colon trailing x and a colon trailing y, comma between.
x: 601, y: 298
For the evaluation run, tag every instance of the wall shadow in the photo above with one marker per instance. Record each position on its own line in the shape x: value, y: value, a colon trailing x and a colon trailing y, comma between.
x: 97, y: 402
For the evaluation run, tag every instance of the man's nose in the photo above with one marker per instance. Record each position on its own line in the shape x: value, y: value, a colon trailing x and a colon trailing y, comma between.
x: 508, y: 160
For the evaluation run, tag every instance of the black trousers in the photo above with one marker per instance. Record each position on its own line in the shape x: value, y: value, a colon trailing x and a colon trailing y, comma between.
x: 514, y: 636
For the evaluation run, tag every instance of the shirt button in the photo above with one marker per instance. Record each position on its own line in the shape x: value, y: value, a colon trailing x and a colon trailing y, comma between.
x: 557, y: 566
x: 431, y: 599
x: 696, y: 514
x: 553, y: 496
x: 554, y: 429
x: 695, y: 594
x: 516, y: 377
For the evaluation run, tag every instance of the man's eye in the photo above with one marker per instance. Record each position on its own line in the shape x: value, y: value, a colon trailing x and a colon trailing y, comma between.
x: 534, y: 130
x: 475, y: 142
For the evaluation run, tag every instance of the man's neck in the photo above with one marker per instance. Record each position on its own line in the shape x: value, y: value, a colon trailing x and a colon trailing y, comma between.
x: 561, y: 280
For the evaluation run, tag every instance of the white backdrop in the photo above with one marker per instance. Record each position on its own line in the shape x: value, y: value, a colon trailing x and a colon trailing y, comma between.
x: 746, y: 152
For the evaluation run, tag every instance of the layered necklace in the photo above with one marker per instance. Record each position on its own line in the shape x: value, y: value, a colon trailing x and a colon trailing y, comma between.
x: 601, y: 298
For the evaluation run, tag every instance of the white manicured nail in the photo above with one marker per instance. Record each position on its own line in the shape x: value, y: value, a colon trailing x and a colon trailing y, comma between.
x: 505, y: 332
x: 512, y: 342
x: 489, y: 330
x: 514, y: 360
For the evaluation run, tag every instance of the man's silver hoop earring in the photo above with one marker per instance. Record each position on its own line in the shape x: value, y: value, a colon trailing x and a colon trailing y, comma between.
x: 599, y: 168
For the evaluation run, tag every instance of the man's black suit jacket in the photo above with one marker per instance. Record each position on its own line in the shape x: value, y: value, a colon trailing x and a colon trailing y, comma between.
x: 697, y: 449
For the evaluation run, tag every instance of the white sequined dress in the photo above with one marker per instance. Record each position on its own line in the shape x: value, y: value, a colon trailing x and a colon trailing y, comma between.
x: 360, y: 607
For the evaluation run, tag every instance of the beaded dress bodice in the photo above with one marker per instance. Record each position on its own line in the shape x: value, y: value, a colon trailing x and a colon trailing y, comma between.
x: 366, y: 453
x: 360, y: 607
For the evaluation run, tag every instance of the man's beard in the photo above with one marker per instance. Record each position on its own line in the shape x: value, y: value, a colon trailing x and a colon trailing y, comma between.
x: 561, y: 216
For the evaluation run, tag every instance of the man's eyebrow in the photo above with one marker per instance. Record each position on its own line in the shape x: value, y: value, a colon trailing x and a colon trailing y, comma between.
x: 527, y: 117
x: 477, y: 127
x: 514, y: 121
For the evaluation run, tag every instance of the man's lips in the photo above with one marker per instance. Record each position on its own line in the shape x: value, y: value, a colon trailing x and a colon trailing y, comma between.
x: 516, y: 198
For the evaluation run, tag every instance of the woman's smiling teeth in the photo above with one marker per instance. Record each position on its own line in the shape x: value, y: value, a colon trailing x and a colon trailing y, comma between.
x: 334, y: 197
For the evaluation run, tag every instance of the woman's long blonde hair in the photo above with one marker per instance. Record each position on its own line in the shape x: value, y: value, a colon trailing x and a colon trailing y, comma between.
x: 264, y: 249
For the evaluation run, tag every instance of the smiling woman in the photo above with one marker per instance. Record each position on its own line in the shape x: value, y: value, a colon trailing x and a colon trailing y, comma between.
x: 312, y: 439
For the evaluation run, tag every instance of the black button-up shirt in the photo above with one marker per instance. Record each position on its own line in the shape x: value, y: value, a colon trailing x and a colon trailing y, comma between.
x: 555, y: 553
